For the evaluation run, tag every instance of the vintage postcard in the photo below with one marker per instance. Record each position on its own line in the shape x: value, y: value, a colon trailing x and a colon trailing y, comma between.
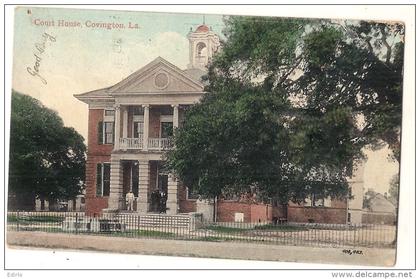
x: 205, y: 135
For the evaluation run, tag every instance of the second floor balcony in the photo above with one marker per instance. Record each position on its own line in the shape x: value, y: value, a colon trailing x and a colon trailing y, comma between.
x: 152, y: 144
x: 142, y: 127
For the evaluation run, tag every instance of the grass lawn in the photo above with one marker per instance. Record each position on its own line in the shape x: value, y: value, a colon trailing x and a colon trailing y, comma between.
x: 285, y: 228
x: 267, y: 227
x: 222, y: 229
x: 39, y: 219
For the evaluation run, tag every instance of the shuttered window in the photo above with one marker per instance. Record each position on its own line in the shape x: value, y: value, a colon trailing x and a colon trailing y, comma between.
x: 106, y: 179
x: 103, y: 179
x: 100, y: 132
x: 99, y: 180
x: 105, y: 132
x: 109, y: 132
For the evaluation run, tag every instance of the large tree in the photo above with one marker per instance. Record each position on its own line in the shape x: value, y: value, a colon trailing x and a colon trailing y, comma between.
x: 47, y: 160
x: 291, y: 104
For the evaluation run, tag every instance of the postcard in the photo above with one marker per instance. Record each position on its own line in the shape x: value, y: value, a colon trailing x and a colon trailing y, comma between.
x: 206, y: 135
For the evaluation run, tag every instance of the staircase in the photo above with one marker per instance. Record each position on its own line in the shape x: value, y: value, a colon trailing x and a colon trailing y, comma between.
x: 161, y: 222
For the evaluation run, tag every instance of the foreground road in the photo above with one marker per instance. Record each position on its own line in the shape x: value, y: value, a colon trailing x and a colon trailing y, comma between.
x: 227, y: 250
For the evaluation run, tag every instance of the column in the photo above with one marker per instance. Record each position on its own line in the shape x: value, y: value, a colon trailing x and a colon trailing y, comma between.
x: 146, y: 127
x: 117, y: 126
x: 144, y: 180
x: 176, y: 116
x: 125, y: 121
x: 172, y: 202
x: 116, y: 199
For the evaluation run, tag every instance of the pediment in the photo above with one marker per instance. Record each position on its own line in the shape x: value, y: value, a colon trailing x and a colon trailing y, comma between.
x: 158, y: 76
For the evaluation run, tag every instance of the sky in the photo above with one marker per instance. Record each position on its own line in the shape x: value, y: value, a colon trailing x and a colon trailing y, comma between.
x: 74, y: 60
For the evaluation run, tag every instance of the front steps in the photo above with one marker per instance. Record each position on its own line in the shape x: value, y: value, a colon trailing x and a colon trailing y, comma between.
x: 135, y: 220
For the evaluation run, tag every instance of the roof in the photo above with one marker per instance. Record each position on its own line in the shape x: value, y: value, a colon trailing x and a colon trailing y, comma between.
x: 202, y: 28
x: 194, y: 75
x: 95, y: 94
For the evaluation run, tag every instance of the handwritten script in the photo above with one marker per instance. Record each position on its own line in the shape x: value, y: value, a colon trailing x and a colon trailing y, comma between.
x: 352, y: 252
x: 40, y: 48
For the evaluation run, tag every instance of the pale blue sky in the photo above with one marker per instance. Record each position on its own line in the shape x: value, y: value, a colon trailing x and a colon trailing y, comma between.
x: 83, y: 59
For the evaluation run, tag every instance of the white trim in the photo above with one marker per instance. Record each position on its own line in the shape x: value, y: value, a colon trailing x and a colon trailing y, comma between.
x: 109, y: 118
x: 167, y: 77
x: 138, y: 118
x: 102, y: 179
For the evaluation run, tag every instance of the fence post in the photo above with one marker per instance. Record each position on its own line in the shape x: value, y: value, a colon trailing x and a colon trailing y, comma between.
x: 76, y: 224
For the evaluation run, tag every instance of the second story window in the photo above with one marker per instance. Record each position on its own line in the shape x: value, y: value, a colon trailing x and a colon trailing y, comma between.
x: 138, y: 129
x: 106, y: 127
x: 105, y: 132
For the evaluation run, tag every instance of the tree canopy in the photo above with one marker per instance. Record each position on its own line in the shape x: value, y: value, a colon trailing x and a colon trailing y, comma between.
x: 47, y: 160
x: 290, y: 105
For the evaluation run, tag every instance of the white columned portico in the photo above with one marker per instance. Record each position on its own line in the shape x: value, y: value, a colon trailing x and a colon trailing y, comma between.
x: 115, y: 201
x: 176, y: 116
x: 125, y: 121
x: 172, y: 201
x: 117, y: 125
x: 144, y: 179
x: 146, y: 127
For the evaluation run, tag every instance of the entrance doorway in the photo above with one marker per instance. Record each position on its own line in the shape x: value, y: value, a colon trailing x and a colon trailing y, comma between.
x: 160, y: 194
x: 131, y: 181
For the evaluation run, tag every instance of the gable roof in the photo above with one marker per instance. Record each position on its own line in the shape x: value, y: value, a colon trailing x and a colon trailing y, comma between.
x: 138, y: 76
x: 94, y: 94
x: 144, y: 71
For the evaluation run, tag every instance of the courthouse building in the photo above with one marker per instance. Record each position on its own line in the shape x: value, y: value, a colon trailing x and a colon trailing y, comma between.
x: 129, y: 128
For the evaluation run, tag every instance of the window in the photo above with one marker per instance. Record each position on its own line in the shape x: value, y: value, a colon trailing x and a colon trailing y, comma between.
x: 109, y: 132
x: 191, y: 194
x: 138, y: 129
x: 103, y: 179
x: 201, y: 49
x: 105, y: 132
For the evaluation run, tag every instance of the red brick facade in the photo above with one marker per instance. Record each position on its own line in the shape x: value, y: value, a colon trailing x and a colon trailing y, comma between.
x: 336, y: 213
x: 185, y: 205
x: 253, y: 212
x: 96, y: 153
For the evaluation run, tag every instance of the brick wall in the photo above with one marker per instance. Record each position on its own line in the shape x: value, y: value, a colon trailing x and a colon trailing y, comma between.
x: 303, y: 214
x: 261, y: 213
x: 154, y: 122
x: 226, y: 211
x: 96, y: 153
x: 185, y: 205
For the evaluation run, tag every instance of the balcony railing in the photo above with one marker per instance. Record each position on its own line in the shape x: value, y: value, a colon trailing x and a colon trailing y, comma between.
x: 159, y: 143
x: 131, y: 143
x: 153, y: 143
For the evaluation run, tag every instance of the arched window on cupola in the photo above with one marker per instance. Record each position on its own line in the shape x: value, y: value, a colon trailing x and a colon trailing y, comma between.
x: 201, y: 49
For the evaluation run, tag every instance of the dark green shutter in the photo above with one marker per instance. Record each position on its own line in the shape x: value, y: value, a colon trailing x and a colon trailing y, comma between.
x: 100, y: 132
x: 107, y: 179
x: 99, y: 180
